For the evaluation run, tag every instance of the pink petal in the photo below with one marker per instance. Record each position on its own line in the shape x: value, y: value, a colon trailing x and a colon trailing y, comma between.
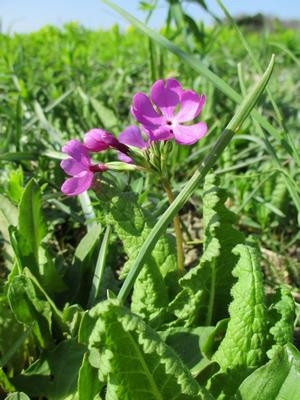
x: 78, y: 184
x: 191, y: 105
x: 72, y: 167
x: 165, y: 97
x: 162, y: 133
x: 132, y: 137
x: 76, y: 150
x: 122, y: 157
x: 98, y: 140
x: 174, y: 85
x: 190, y: 134
x: 143, y: 111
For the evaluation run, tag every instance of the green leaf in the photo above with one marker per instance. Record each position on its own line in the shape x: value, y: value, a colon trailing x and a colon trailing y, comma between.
x: 106, y: 115
x: 55, y: 374
x: 12, y: 354
x: 29, y: 306
x: 88, y: 383
x: 279, y: 379
x: 79, y: 276
x: 133, y: 359
x: 187, y: 343
x: 205, y: 293
x: 15, y: 185
x: 31, y: 225
x: 29, y: 249
x: 132, y: 224
x: 282, y: 314
x: 8, y: 217
x: 245, y: 341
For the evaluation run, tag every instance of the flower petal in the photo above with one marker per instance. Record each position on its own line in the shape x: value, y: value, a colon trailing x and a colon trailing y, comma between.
x: 72, y: 167
x: 165, y: 97
x: 132, y: 137
x: 77, y: 184
x: 143, y: 111
x: 173, y: 84
x: 191, y: 105
x: 189, y: 134
x: 162, y: 133
x: 122, y: 157
x: 98, y: 140
x: 76, y: 150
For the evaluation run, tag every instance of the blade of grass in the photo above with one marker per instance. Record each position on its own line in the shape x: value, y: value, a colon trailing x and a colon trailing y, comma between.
x: 289, y: 181
x: 287, y: 51
x: 100, y: 265
x: 292, y: 150
x: 233, y: 126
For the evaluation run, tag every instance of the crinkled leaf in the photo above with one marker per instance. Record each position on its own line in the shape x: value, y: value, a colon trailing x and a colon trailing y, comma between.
x: 205, y: 293
x: 282, y: 315
x: 279, y: 379
x: 133, y: 359
x: 132, y: 224
x: 244, y: 344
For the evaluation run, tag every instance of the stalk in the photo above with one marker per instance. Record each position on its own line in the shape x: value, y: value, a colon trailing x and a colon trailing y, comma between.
x: 177, y: 228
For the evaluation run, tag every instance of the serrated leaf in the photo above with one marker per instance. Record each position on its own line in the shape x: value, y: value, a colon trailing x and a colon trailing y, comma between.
x: 245, y: 341
x: 205, y: 293
x: 279, y: 379
x: 132, y: 224
x: 282, y: 315
x: 133, y: 359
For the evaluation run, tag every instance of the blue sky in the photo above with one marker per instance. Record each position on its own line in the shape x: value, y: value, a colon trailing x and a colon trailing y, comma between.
x: 30, y: 15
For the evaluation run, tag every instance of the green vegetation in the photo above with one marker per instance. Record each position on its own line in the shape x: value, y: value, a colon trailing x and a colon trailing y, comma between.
x: 70, y: 328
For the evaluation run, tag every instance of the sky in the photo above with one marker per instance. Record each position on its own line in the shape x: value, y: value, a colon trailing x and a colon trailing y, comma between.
x: 30, y: 15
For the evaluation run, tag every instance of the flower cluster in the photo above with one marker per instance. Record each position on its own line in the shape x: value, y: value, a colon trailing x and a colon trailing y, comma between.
x: 162, y: 116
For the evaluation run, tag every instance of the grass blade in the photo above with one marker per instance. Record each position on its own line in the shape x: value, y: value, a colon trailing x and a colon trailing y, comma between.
x: 100, y: 265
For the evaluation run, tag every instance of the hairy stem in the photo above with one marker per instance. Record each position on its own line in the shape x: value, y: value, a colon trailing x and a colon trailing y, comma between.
x: 178, y: 233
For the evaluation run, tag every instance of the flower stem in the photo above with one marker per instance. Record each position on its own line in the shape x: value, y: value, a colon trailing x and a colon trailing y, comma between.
x: 178, y: 233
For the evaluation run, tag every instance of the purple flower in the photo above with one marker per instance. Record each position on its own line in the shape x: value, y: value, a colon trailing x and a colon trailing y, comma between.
x: 131, y: 136
x: 97, y: 140
x: 79, y: 167
x: 164, y: 122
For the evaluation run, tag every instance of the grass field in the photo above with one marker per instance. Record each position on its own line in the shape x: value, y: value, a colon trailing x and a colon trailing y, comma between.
x: 57, y: 84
